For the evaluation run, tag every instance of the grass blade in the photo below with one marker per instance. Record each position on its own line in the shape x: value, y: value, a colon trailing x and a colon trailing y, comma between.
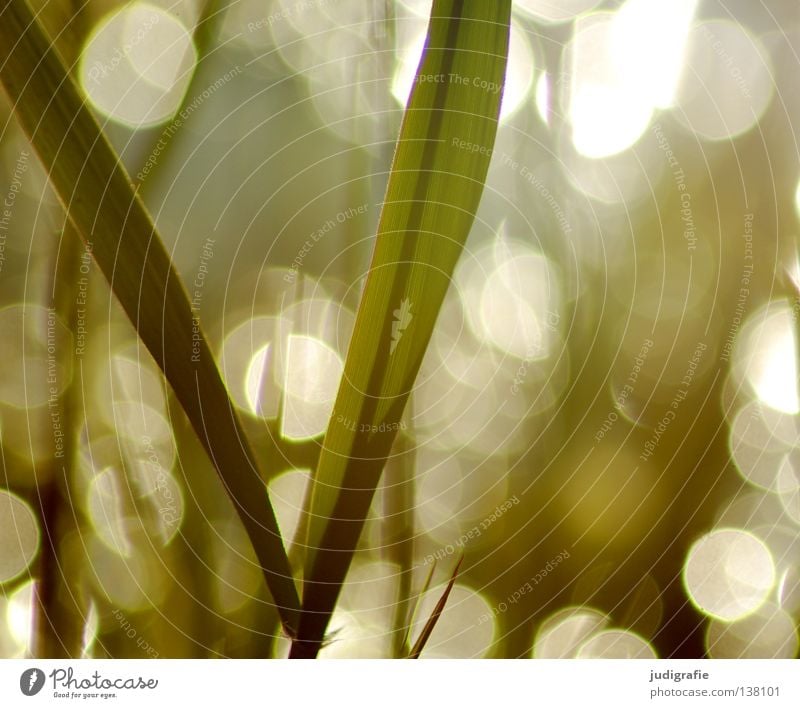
x: 433, y: 193
x: 413, y: 615
x: 99, y: 200
x: 427, y: 630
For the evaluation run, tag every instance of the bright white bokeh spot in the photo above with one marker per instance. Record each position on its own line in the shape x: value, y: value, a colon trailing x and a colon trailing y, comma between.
x: 761, y: 439
x: 563, y: 634
x: 19, y: 536
x: 519, y: 71
x: 727, y: 81
x: 766, y: 356
x: 158, y: 54
x: 729, y: 574
x: 313, y: 371
x: 555, y: 11
x: 768, y: 633
x: 249, y: 368
x: 257, y: 380
x: 622, y: 67
x: 287, y: 492
x: 607, y: 108
x: 9, y: 649
x: 516, y: 301
x: 519, y: 74
x: 460, y: 632
x: 290, y: 364
x: 137, y: 65
x: 616, y: 644
x: 655, y: 34
x: 19, y: 615
x: 461, y: 396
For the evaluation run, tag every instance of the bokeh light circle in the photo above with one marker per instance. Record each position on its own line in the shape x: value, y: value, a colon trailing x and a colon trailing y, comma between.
x: 728, y: 574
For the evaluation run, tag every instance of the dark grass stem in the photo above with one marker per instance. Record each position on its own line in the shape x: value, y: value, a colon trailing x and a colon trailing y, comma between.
x: 96, y: 192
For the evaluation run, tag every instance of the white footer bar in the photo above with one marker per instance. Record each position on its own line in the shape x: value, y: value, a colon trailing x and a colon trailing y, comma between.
x: 399, y: 684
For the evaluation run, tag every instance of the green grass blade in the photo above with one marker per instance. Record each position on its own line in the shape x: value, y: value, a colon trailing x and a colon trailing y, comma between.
x: 436, y: 183
x: 427, y: 630
x: 105, y: 210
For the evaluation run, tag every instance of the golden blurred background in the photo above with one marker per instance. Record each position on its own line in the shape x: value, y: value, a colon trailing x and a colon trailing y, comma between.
x: 605, y: 424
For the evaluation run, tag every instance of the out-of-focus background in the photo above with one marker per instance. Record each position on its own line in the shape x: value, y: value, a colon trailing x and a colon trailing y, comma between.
x: 606, y: 422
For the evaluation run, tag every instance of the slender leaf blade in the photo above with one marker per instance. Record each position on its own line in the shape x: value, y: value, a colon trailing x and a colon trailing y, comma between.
x: 433, y: 194
x: 413, y: 615
x: 430, y: 625
x: 105, y: 209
